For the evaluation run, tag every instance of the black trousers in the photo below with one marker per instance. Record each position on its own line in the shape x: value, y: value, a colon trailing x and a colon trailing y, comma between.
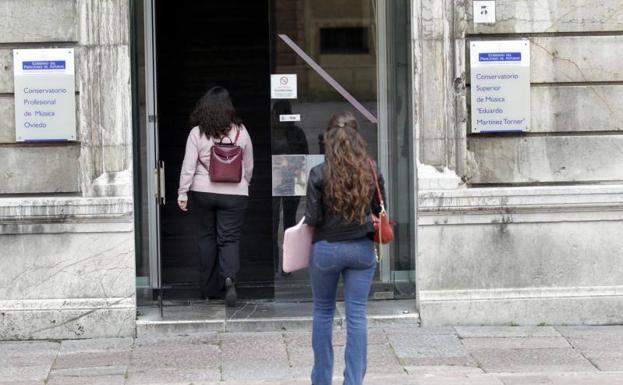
x: 290, y: 206
x: 220, y: 219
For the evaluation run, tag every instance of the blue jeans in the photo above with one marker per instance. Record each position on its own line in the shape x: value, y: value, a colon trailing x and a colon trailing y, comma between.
x: 356, y: 262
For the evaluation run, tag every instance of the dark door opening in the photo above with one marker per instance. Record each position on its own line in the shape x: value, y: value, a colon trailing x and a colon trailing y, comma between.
x: 201, y: 44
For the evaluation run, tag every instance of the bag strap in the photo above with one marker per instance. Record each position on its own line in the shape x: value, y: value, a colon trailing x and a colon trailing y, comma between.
x: 203, y: 164
x: 376, y: 183
x: 378, y: 251
x: 232, y: 142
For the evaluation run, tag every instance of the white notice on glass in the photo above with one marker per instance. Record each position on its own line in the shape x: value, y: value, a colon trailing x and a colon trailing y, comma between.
x: 45, y: 97
x: 500, y: 85
x: 283, y: 86
x: 290, y: 118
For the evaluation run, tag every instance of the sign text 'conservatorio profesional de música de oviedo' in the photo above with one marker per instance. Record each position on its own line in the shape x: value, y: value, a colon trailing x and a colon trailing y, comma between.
x: 45, y: 101
x: 500, y: 85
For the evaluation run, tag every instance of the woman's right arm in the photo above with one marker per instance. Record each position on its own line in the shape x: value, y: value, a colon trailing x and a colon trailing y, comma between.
x: 189, y: 166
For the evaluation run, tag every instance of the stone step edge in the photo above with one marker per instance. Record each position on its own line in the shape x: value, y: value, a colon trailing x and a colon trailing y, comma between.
x: 260, y: 324
x: 410, y: 316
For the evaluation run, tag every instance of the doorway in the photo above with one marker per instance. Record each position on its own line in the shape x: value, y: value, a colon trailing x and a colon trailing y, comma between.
x: 338, y: 56
x: 201, y: 44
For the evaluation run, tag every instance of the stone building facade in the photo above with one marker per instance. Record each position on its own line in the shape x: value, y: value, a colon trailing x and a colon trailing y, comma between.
x: 521, y: 228
x: 510, y: 228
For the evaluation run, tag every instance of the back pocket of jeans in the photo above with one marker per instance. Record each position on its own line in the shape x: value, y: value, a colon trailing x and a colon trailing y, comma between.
x: 365, y: 254
x: 323, y: 256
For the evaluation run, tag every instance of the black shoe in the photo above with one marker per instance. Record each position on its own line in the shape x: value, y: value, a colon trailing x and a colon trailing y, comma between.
x: 230, y: 294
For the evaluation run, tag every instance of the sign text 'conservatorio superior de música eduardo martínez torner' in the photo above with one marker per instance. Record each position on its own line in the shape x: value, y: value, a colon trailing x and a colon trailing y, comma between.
x: 500, y: 86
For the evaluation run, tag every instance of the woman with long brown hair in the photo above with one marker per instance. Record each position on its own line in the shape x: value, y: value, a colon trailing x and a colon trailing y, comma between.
x: 340, y: 200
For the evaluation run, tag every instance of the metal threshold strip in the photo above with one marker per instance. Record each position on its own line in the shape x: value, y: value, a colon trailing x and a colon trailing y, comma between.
x: 201, y: 317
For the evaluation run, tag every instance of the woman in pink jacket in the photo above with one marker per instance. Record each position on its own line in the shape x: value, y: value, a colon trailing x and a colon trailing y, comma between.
x: 221, y: 206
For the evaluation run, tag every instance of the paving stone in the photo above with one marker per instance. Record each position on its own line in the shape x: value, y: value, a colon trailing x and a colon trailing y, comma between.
x: 386, y: 380
x: 253, y: 346
x: 90, y: 372
x: 615, y: 331
x: 530, y: 379
x: 244, y: 356
x: 301, y: 363
x: 27, y: 353
x: 100, y: 380
x: 179, y: 357
x: 598, y: 378
x: 425, y: 349
x: 468, y: 379
x: 211, y: 338
x: 596, y: 338
x: 11, y: 347
x: 272, y: 381
x: 449, y: 371
x: 531, y: 360
x: 23, y: 359
x: 432, y: 330
x: 172, y: 376
x: 382, y: 359
x: 586, y: 378
x: 506, y: 331
x: 375, y: 336
x: 25, y: 373
x: 515, y: 343
x: 606, y: 361
x: 97, y: 344
x: 91, y: 359
x: 256, y: 369
x: 41, y: 382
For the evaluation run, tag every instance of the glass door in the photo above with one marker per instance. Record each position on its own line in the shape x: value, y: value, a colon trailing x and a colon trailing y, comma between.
x: 329, y: 56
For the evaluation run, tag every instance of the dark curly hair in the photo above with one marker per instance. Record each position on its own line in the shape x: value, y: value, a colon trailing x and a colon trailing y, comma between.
x: 214, y: 113
x: 348, y: 177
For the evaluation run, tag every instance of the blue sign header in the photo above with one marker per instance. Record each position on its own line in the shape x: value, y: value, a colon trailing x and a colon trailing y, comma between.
x: 499, y: 56
x: 44, y: 65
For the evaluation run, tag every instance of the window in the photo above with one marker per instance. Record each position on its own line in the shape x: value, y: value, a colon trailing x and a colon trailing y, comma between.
x: 346, y: 40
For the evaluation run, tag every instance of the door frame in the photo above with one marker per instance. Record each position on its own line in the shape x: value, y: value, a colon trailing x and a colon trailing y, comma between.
x: 155, y: 170
x: 154, y: 187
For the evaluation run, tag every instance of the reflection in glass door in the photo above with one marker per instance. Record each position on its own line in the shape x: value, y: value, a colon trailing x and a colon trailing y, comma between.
x: 338, y: 58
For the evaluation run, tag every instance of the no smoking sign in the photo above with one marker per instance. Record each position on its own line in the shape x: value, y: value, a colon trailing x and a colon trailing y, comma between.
x: 283, y: 86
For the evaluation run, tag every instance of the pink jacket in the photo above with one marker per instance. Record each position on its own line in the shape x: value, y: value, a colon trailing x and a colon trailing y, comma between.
x: 195, y: 177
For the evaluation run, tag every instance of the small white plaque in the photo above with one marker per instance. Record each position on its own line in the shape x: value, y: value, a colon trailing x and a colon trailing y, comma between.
x: 484, y: 12
x: 290, y: 118
x: 283, y: 86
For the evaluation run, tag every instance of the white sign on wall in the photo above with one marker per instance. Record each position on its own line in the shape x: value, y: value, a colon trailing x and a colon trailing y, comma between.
x: 45, y: 101
x: 283, y: 86
x: 500, y: 85
x: 484, y: 12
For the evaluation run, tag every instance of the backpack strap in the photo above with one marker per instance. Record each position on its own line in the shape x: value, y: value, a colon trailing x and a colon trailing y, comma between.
x: 227, y: 136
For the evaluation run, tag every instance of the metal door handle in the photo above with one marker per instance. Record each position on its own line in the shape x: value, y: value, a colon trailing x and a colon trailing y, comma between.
x: 160, y: 183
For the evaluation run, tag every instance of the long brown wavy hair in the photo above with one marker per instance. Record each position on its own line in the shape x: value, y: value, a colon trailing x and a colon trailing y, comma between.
x: 214, y: 113
x: 347, y: 176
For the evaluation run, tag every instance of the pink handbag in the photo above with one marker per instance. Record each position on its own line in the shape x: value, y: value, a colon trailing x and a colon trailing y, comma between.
x: 297, y: 246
